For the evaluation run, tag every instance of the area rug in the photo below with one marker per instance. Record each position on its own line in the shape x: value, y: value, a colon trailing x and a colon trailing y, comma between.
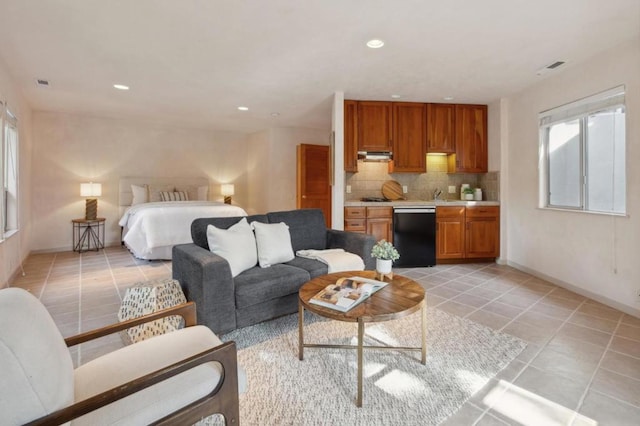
x: 321, y: 390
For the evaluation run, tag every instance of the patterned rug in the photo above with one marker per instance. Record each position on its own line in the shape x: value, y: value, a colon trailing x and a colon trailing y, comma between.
x: 321, y: 390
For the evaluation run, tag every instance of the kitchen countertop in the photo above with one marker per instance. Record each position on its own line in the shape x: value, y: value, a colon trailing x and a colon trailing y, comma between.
x: 358, y: 203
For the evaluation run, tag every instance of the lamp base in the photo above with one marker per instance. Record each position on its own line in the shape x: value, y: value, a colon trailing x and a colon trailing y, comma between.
x: 91, y: 209
x: 227, y: 200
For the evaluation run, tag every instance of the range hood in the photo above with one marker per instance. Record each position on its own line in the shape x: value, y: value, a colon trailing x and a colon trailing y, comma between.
x: 381, y: 156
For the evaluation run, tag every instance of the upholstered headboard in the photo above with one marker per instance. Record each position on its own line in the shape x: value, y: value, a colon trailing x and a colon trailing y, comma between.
x: 125, y: 196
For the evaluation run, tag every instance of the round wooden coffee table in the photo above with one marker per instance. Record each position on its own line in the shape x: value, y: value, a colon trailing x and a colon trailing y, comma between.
x: 401, y: 297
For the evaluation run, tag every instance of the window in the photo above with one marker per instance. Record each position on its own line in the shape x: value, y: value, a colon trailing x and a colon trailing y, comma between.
x: 582, y: 154
x: 9, y: 175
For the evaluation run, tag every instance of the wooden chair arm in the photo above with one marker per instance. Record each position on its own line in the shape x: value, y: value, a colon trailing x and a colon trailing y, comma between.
x: 225, y: 354
x: 185, y: 310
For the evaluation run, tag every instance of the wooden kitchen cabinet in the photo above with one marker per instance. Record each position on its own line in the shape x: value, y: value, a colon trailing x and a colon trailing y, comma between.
x: 441, y: 128
x: 375, y: 126
x: 380, y: 223
x: 482, y: 232
x: 450, y: 234
x: 350, y: 136
x: 355, y: 219
x: 409, y: 137
x: 467, y: 233
x: 471, y: 154
x: 377, y: 221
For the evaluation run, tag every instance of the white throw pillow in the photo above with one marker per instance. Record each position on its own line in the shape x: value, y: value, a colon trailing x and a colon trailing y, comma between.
x: 203, y: 193
x: 274, y: 243
x: 140, y: 194
x: 236, y: 245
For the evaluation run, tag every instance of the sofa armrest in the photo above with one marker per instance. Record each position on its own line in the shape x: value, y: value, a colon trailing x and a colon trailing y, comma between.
x: 206, y: 279
x: 353, y: 242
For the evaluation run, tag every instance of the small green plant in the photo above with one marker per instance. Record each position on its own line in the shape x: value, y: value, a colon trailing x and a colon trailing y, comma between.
x: 385, y: 250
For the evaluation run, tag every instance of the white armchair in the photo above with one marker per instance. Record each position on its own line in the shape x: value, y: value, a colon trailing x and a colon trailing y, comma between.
x: 176, y: 378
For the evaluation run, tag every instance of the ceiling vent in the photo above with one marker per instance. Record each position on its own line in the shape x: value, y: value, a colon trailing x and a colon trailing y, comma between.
x: 550, y: 67
x: 42, y: 83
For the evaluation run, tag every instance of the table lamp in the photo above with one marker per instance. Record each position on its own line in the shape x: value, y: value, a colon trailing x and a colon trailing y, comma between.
x: 226, y: 189
x: 91, y: 190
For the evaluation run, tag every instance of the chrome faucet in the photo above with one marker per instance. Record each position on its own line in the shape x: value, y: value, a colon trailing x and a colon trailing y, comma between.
x: 437, y: 194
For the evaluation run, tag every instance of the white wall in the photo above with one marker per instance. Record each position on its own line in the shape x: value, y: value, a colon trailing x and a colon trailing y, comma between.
x: 272, y: 166
x: 595, y: 254
x: 70, y: 149
x: 14, y: 249
x: 494, y: 134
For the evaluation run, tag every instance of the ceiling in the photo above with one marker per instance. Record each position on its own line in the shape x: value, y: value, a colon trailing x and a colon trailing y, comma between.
x: 193, y: 62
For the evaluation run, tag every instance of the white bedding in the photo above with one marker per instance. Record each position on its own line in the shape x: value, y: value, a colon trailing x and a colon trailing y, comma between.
x: 151, y: 229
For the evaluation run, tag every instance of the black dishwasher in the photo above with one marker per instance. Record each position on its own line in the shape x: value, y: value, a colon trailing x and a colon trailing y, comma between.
x: 414, y: 236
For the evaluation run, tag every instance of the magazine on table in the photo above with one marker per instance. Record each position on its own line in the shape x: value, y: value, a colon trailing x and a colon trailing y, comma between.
x: 347, y: 293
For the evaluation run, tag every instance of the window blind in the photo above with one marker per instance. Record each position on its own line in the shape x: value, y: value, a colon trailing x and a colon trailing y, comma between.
x: 589, y: 105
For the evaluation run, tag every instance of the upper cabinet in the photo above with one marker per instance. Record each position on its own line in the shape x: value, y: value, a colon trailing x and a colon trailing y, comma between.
x: 411, y: 130
x: 409, y: 137
x: 441, y: 128
x: 471, y: 140
x: 350, y: 136
x: 374, y: 126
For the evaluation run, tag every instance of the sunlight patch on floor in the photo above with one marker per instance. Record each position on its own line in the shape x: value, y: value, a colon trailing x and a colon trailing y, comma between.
x: 475, y: 381
x: 399, y: 383
x: 527, y: 408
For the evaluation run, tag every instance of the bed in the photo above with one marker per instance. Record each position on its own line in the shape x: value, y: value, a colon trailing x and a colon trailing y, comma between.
x: 151, y: 227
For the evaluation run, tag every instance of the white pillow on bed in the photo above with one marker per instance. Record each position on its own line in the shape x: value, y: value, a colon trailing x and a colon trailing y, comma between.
x: 274, y: 243
x: 140, y: 194
x: 236, y: 245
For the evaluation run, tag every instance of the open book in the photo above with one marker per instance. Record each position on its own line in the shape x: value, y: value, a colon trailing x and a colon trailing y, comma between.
x: 346, y: 293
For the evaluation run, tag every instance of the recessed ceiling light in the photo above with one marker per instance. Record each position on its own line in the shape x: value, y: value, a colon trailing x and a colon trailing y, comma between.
x: 275, y: 114
x: 121, y: 87
x: 395, y: 96
x: 448, y: 98
x: 243, y: 108
x: 375, y: 43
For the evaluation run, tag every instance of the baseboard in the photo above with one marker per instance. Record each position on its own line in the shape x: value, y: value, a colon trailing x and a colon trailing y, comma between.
x: 597, y: 297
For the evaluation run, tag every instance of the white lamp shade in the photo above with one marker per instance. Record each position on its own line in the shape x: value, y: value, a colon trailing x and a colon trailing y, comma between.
x: 226, y: 189
x: 90, y: 189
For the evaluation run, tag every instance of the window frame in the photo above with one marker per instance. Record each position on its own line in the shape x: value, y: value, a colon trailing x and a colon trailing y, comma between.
x: 581, y: 110
x: 8, y: 120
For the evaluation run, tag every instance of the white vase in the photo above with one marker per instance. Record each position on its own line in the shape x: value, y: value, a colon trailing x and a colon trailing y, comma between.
x: 383, y: 266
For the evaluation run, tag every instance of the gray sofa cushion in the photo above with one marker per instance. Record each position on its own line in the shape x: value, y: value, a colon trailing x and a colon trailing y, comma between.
x: 313, y: 267
x: 199, y: 226
x: 257, y: 285
x: 307, y: 228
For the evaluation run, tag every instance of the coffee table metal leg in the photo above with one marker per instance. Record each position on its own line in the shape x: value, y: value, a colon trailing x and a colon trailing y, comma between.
x: 424, y: 334
x: 360, y: 372
x: 300, y: 331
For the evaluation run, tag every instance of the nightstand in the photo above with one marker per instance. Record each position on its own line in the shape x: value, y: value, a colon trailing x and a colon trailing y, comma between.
x: 88, y: 234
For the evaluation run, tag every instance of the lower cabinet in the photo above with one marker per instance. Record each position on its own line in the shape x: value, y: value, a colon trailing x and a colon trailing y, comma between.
x: 450, y: 232
x: 377, y: 221
x: 467, y: 232
x: 462, y: 232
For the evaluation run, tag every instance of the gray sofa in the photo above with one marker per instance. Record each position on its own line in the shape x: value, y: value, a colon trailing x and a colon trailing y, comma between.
x: 225, y: 303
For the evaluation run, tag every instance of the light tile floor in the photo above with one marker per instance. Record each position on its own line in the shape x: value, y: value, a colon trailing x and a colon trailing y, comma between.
x: 581, y: 365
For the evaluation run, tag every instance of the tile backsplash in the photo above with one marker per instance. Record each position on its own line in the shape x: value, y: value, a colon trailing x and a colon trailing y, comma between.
x: 421, y: 186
